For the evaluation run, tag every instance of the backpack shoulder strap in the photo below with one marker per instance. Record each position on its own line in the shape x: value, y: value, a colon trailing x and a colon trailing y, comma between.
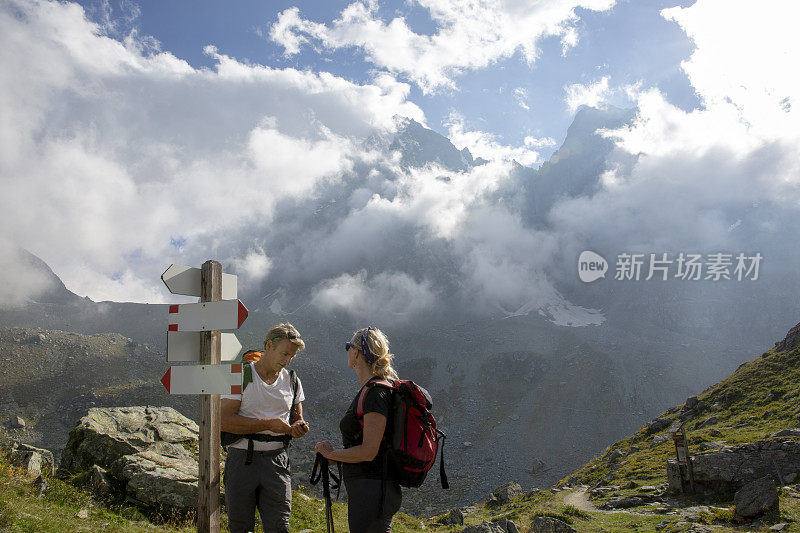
x: 247, y: 375
x: 362, y: 396
x: 293, y: 378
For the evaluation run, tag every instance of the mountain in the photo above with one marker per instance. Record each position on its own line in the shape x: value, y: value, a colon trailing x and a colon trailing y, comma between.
x: 30, y: 280
x: 528, y: 386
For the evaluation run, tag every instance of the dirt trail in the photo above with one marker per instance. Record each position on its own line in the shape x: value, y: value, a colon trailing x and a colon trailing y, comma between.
x: 578, y: 499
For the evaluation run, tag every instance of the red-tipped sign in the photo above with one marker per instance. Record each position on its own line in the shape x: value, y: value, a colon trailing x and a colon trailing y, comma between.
x: 165, y: 380
x: 204, y: 379
x: 207, y: 316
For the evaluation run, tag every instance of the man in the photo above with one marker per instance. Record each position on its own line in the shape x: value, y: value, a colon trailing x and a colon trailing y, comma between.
x: 260, y: 477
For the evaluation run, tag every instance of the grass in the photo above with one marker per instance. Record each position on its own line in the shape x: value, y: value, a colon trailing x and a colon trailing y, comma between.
x: 761, y: 397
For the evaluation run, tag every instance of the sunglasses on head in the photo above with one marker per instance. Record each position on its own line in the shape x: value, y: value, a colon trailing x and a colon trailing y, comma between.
x: 364, y: 346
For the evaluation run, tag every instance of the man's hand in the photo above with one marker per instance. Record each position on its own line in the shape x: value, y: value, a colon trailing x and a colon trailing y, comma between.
x: 278, y: 425
x: 299, y: 428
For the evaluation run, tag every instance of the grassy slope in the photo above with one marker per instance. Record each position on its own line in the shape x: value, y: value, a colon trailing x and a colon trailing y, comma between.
x: 761, y: 397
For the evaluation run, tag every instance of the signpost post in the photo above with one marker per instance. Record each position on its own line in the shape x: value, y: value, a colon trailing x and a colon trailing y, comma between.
x: 194, y: 335
x: 210, y: 354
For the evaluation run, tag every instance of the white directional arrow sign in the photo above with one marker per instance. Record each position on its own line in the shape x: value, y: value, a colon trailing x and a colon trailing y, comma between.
x: 207, y: 316
x: 204, y: 379
x: 186, y: 280
x: 185, y: 346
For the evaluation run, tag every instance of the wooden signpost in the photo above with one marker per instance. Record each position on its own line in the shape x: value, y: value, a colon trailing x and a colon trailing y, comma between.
x: 684, y: 460
x: 194, y: 335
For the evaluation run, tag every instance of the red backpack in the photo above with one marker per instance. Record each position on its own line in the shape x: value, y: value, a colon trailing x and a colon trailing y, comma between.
x: 411, y: 434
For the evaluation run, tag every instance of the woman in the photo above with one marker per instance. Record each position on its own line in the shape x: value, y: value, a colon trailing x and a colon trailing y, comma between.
x: 373, y: 497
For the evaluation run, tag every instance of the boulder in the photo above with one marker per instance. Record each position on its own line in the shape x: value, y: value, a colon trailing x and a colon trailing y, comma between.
x: 658, y: 424
x: 791, y: 341
x: 659, y: 440
x: 455, y: 517
x: 506, y: 493
x: 724, y: 472
x: 788, y: 432
x: 16, y: 422
x: 707, y: 422
x: 36, y: 461
x: 756, y: 497
x: 548, y: 524
x: 106, y: 434
x: 624, y: 503
x: 614, y: 456
x: 138, y: 452
x: 98, y: 481
x: 498, y: 526
x: 164, y: 475
x: 691, y: 403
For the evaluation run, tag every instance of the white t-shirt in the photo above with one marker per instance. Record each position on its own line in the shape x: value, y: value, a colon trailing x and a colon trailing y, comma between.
x: 261, y: 400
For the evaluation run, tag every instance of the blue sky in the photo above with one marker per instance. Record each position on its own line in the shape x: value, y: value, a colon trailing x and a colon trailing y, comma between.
x: 629, y: 43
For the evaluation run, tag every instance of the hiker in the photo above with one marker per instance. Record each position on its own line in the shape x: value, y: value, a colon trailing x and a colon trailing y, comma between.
x: 373, y: 496
x: 268, y: 413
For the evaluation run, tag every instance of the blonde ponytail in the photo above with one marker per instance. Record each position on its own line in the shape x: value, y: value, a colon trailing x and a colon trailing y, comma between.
x: 378, y: 346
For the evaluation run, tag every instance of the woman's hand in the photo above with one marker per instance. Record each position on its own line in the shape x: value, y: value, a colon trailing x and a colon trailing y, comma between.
x: 324, y: 448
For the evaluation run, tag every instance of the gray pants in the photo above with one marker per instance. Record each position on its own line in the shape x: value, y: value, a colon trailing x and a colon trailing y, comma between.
x: 266, y: 483
x: 364, y: 514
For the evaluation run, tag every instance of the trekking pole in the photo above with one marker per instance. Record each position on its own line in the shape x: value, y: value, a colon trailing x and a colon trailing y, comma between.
x: 320, y: 471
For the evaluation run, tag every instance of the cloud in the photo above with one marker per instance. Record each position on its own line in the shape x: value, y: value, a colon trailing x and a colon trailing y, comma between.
x: 683, y: 179
x: 521, y: 97
x: 393, y: 297
x: 112, y: 150
x: 487, y: 146
x: 593, y: 95
x: 468, y: 36
x: 253, y: 267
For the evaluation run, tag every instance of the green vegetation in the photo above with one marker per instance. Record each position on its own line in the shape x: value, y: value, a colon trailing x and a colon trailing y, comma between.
x: 759, y: 398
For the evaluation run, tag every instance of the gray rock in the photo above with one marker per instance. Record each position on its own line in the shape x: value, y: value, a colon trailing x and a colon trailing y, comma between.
x: 779, y: 527
x: 658, y: 424
x: 506, y: 493
x: 726, y: 471
x: 40, y: 485
x: 614, y: 456
x: 16, y: 422
x: 548, y: 524
x: 98, y: 482
x: 791, y: 341
x: 164, y: 475
x: 659, y: 440
x: 455, y: 517
x: 708, y: 422
x: 691, y: 403
x: 756, y: 497
x: 106, y: 434
x: 498, y: 526
x: 623, y: 503
x: 36, y: 461
x: 788, y: 432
